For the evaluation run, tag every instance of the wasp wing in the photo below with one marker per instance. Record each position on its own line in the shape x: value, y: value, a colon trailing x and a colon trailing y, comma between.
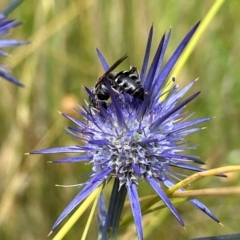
x: 118, y: 62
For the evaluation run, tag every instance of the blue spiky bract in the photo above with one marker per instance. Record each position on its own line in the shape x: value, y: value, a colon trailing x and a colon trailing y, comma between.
x: 5, y: 27
x: 132, y: 139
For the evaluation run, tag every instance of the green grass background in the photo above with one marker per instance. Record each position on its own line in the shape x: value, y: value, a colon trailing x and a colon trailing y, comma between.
x: 54, y: 68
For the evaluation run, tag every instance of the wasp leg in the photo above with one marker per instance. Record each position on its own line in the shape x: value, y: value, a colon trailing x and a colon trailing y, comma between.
x: 115, y: 91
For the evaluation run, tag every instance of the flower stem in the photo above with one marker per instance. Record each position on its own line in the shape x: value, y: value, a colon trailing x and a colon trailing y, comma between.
x: 115, y: 210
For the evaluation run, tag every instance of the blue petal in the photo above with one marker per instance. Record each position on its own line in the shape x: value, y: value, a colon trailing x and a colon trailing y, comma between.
x: 163, y: 196
x: 183, y: 133
x: 87, y: 132
x: 1, y: 18
x: 93, y: 184
x: 84, y: 158
x: 150, y: 77
x: 102, y: 60
x: 186, y: 166
x: 136, y: 209
x: 146, y: 57
x: 116, y: 105
x: 104, y: 114
x: 147, y: 141
x: 180, y: 126
x: 136, y: 169
x: 78, y: 122
x: 155, y: 80
x: 70, y: 149
x: 163, y: 118
x: 2, y: 53
x: 182, y: 157
x: 99, y: 142
x: 169, y: 183
x: 6, y: 25
x: 192, y: 168
x: 69, y: 131
x: 171, y: 62
x: 10, y: 78
x: 203, y: 208
x: 156, y: 63
x: 89, y: 92
x: 11, y: 43
x: 174, y: 98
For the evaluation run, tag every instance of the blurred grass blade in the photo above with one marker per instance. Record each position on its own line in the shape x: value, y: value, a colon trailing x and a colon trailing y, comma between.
x: 222, y: 237
x: 91, y: 213
x: 192, y: 43
x: 77, y: 214
x: 14, y: 4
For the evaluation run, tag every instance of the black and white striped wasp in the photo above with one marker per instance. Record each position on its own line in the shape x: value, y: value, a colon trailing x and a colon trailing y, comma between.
x: 125, y: 81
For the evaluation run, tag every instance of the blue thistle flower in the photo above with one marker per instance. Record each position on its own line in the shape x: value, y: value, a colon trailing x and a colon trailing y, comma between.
x: 129, y: 139
x: 5, y: 26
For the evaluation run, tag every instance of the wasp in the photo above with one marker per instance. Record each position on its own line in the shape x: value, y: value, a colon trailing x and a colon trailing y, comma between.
x: 125, y: 81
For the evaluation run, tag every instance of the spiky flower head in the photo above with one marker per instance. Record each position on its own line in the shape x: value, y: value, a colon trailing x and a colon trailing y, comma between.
x: 129, y: 139
x: 5, y: 27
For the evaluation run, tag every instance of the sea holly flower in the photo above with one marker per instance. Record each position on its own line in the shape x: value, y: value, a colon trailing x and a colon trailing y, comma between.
x: 5, y: 27
x: 130, y: 140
